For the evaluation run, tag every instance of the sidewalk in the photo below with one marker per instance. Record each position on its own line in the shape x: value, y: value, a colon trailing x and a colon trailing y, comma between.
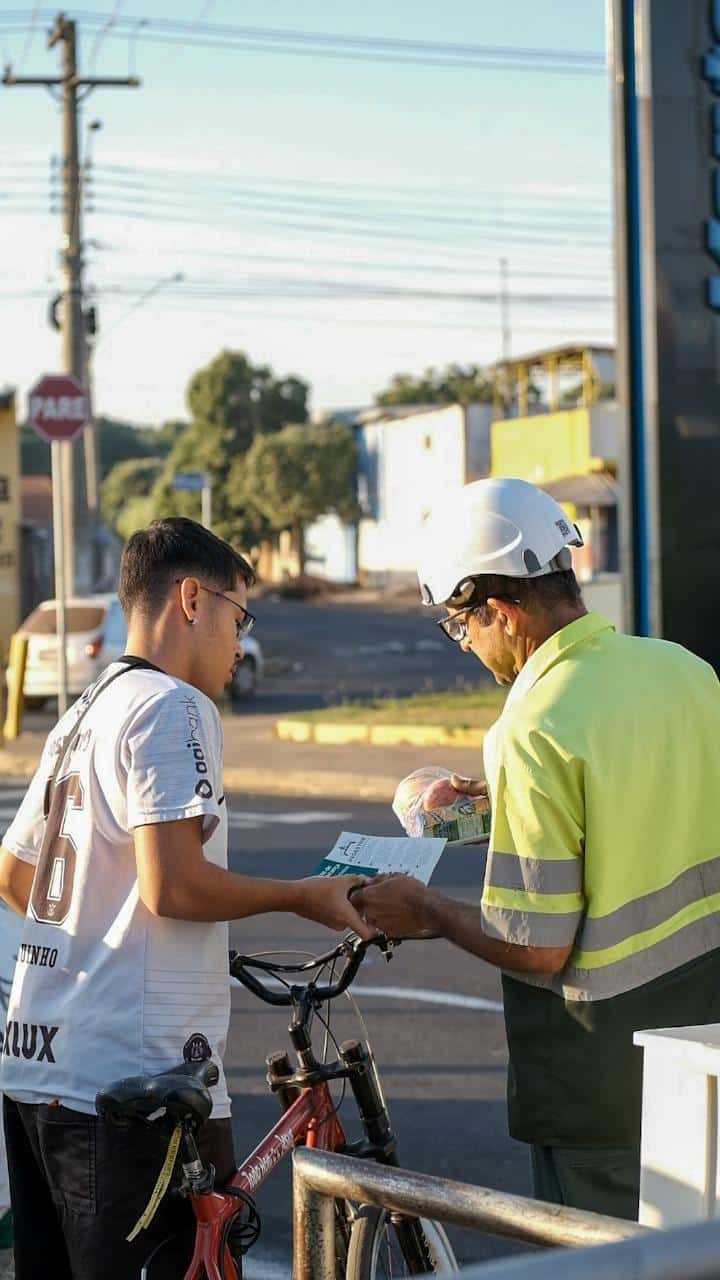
x: 258, y: 763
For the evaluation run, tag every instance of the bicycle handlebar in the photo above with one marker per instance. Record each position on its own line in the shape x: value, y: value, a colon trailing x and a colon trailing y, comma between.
x: 352, y: 948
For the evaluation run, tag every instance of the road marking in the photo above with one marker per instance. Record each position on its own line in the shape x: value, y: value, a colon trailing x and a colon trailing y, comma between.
x: 417, y: 995
x: 423, y: 995
x: 298, y: 817
x: 258, y: 1266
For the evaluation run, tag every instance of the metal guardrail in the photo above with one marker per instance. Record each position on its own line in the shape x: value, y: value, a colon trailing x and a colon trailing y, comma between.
x: 319, y: 1177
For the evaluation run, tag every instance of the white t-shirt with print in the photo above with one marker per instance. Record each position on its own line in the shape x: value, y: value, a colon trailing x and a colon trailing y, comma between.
x: 103, y: 989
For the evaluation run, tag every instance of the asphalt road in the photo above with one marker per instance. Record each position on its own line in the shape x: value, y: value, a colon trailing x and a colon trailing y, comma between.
x: 442, y: 1064
x: 320, y: 653
x: 330, y: 651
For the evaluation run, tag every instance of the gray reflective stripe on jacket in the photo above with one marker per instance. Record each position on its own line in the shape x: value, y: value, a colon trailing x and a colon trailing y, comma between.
x: 534, y: 875
x: 688, y: 943
x: 598, y: 933
x: 652, y: 909
x: 531, y: 928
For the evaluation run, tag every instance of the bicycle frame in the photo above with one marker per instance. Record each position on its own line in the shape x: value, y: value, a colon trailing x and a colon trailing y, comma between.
x: 311, y: 1118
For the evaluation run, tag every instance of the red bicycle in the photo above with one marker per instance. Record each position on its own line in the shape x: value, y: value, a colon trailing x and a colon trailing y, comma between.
x: 370, y: 1243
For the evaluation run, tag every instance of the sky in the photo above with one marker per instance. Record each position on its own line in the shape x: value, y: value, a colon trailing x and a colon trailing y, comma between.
x: 339, y: 218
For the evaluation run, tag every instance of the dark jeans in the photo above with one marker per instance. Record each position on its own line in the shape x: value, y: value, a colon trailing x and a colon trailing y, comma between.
x: 603, y: 1179
x: 79, y: 1184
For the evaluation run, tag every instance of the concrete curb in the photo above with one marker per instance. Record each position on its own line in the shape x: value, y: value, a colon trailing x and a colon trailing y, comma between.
x: 378, y: 735
x: 293, y: 782
x: 319, y: 784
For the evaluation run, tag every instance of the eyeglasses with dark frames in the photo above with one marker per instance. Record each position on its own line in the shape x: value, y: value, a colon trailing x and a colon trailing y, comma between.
x: 455, y: 625
x: 244, y: 625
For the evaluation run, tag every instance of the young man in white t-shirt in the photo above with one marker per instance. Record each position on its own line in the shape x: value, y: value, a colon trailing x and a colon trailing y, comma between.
x: 118, y: 859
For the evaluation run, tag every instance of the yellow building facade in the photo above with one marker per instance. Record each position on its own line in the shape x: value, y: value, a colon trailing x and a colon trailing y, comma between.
x: 544, y: 447
x: 572, y: 453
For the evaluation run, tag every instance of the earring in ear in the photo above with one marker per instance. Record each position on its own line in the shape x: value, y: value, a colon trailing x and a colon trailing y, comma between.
x: 192, y: 621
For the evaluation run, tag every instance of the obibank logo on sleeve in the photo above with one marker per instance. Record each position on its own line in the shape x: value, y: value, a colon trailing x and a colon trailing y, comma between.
x: 193, y: 744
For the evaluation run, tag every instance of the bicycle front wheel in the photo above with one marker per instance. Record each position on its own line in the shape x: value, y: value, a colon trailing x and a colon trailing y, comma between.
x: 376, y: 1253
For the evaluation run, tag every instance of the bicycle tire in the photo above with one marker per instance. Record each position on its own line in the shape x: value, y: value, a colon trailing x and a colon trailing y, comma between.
x: 374, y: 1252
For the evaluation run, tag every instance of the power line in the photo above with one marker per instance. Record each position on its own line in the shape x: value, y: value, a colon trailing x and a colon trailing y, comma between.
x: 249, y: 201
x: 318, y: 289
x: 102, y: 34
x: 395, y: 268
x: 338, y: 45
x: 454, y: 192
x: 341, y: 231
x: 29, y: 36
x: 385, y: 192
x: 140, y: 190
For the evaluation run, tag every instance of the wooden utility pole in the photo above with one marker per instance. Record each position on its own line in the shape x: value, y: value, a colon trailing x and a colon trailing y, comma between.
x: 74, y: 357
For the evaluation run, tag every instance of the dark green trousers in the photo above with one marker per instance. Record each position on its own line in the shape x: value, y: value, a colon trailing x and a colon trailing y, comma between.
x: 603, y: 1179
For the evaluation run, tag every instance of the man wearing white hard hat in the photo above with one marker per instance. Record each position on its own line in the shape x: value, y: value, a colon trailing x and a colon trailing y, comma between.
x: 601, y: 898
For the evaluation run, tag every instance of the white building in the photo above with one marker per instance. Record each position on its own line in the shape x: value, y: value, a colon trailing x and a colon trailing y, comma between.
x: 408, y: 455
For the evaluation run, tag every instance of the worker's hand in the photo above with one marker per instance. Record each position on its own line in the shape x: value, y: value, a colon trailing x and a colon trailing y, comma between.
x: 400, y: 906
x: 326, y: 899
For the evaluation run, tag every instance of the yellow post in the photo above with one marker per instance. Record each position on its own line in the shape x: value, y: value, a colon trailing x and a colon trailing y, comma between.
x: 15, y: 687
x: 589, y: 380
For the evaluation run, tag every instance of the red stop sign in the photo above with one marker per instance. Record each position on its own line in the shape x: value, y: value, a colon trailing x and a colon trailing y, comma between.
x: 58, y: 407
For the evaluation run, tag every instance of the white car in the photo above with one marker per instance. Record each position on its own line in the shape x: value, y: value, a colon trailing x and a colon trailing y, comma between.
x: 245, y: 680
x: 96, y: 636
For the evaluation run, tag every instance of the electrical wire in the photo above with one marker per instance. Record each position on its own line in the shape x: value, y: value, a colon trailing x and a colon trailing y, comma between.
x: 347, y: 230
x: 334, y: 210
x: 520, y: 193
x: 102, y: 34
x: 28, y: 38
x: 417, y: 194
x: 370, y: 48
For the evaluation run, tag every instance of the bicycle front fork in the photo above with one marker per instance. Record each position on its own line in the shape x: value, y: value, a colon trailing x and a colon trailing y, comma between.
x: 382, y: 1145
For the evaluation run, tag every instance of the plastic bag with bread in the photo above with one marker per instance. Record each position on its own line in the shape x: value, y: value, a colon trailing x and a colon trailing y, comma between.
x: 427, y: 804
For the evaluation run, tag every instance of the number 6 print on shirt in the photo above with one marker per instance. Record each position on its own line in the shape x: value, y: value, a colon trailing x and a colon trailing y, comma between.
x: 55, y: 875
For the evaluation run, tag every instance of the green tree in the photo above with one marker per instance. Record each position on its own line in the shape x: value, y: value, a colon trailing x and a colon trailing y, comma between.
x: 232, y: 401
x: 292, y: 477
x: 234, y: 396
x: 455, y: 384
x: 128, y: 481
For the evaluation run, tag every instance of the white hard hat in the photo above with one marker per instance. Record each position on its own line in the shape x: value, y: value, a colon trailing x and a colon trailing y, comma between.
x: 496, y: 526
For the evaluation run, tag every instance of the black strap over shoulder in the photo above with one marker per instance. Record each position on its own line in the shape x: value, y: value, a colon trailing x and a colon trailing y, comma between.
x: 130, y: 663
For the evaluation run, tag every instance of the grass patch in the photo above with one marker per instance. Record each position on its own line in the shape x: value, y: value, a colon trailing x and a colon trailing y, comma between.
x: 471, y: 708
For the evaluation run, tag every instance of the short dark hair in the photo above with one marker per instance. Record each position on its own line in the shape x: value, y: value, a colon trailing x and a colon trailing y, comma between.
x: 154, y: 557
x: 534, y: 594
